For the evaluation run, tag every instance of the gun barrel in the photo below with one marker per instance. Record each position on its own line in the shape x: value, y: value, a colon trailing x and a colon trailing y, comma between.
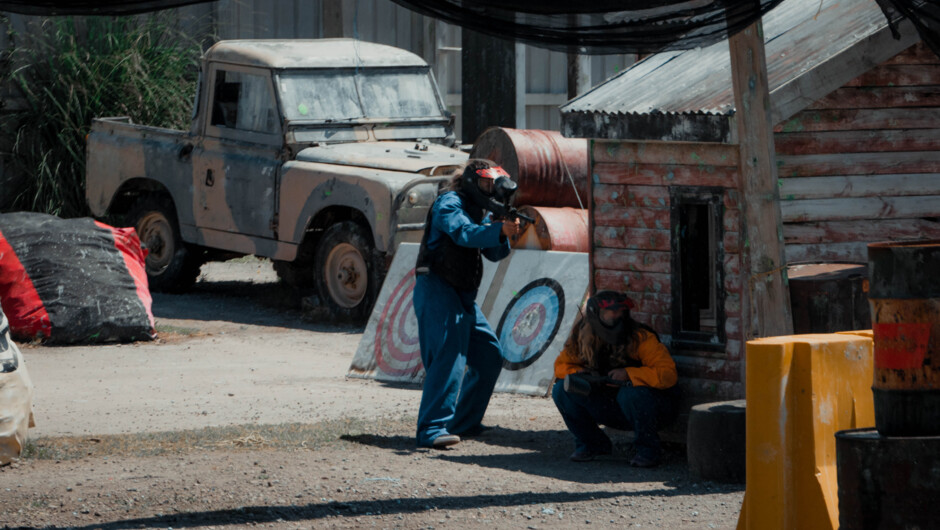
x: 524, y: 217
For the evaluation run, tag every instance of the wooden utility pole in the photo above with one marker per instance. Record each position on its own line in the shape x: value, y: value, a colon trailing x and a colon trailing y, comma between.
x: 765, y: 297
x: 489, y: 83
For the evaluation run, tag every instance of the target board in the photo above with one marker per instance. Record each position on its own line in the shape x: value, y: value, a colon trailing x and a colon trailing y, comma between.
x: 388, y: 350
x: 530, y: 299
x: 533, y: 312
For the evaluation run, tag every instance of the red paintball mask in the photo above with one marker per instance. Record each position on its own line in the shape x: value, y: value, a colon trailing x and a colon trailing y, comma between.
x: 606, y: 303
x: 492, y: 173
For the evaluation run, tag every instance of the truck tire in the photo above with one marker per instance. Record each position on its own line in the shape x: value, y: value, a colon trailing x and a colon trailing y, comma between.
x: 345, y: 273
x: 171, y: 265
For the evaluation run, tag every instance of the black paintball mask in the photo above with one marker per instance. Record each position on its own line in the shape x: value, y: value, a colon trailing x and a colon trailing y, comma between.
x: 489, y: 188
x: 606, y: 314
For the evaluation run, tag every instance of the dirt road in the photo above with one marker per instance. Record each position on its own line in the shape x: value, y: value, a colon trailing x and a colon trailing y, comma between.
x: 241, y: 414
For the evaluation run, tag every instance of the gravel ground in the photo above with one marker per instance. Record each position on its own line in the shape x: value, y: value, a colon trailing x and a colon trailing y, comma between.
x: 240, y: 414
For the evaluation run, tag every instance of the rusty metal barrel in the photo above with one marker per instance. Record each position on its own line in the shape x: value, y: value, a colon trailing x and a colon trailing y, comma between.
x: 904, y: 294
x: 560, y: 229
x: 887, y: 482
x: 540, y: 162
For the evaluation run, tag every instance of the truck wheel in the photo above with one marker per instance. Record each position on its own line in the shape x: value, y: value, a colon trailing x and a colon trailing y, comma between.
x: 346, y: 276
x: 171, y: 265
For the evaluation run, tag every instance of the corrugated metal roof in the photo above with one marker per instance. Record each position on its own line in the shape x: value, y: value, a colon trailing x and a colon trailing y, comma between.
x: 799, y: 36
x: 311, y: 53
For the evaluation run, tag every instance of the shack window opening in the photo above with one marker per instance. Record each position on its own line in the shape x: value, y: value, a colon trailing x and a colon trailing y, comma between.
x: 698, y: 298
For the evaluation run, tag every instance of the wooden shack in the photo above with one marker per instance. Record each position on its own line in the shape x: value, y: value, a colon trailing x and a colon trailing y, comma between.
x: 856, y: 134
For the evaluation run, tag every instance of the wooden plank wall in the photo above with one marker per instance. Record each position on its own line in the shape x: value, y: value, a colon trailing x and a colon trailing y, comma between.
x: 632, y: 248
x: 863, y: 163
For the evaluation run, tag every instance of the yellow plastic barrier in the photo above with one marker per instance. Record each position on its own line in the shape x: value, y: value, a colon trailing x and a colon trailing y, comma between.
x: 801, y: 389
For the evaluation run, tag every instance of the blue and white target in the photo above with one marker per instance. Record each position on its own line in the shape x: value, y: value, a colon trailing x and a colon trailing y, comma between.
x: 530, y: 322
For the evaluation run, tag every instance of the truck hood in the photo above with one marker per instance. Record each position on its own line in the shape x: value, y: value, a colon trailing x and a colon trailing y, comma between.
x: 412, y: 157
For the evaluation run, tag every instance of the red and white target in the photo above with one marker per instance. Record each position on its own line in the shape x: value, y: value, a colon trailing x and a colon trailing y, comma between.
x: 397, y: 352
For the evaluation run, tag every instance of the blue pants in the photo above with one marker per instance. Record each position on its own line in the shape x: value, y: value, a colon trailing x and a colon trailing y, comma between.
x: 461, y: 357
x: 642, y: 409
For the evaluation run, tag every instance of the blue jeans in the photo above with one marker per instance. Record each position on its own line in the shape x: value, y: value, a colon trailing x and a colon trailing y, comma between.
x: 642, y: 409
x: 461, y: 356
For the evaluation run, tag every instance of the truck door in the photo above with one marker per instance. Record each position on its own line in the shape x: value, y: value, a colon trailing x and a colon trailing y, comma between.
x: 235, y: 170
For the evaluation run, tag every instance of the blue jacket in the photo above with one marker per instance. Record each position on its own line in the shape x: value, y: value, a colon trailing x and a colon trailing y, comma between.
x: 449, y: 217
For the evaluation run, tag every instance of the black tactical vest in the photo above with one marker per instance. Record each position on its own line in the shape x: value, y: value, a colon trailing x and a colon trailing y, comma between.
x: 461, y: 267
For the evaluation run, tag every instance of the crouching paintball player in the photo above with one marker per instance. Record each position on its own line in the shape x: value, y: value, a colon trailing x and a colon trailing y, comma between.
x: 461, y: 354
x: 614, y: 371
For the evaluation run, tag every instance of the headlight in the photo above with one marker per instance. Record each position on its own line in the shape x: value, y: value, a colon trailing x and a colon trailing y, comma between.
x: 413, y: 198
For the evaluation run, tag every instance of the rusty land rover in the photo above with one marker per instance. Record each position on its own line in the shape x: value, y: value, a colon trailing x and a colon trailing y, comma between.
x: 322, y: 155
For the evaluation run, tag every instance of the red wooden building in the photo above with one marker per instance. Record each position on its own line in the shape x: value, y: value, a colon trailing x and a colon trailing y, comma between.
x: 856, y: 137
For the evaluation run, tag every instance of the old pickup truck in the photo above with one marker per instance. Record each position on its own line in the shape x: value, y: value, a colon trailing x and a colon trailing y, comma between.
x: 322, y: 155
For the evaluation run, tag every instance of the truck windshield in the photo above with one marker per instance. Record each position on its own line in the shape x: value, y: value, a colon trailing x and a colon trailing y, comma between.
x: 348, y: 95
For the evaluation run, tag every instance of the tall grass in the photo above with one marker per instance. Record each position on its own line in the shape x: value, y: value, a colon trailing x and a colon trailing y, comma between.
x: 79, y: 68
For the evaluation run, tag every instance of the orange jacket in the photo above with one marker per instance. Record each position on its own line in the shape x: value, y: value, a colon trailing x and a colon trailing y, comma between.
x: 658, y: 370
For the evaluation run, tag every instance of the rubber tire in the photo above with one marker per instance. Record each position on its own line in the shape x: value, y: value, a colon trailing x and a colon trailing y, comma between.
x: 354, y: 247
x: 172, y: 266
x: 716, y: 442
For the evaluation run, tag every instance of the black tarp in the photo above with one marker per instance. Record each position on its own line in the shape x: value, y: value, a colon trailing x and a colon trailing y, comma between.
x: 72, y: 281
x: 601, y: 26
x: 103, y: 7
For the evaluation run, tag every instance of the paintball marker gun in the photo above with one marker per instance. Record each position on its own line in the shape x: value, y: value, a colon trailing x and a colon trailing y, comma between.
x: 501, y: 201
x: 582, y: 384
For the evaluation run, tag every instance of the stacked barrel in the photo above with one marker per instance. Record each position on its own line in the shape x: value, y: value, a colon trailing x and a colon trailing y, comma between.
x: 889, y: 477
x: 551, y: 172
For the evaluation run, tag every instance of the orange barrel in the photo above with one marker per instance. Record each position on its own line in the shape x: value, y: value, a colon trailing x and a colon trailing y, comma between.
x: 562, y: 229
x: 540, y: 162
x: 904, y: 294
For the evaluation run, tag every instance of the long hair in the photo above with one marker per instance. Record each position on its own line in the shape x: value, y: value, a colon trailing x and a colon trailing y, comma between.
x: 586, y: 345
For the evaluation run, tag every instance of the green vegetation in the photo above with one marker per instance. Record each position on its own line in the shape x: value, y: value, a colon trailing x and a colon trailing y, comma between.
x: 74, y: 69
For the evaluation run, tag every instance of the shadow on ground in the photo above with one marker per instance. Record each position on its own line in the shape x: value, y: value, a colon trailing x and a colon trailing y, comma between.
x: 243, y: 302
x: 543, y: 453
x: 255, y: 515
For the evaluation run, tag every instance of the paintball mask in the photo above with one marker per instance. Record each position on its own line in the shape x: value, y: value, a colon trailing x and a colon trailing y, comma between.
x: 605, y: 314
x: 490, y: 188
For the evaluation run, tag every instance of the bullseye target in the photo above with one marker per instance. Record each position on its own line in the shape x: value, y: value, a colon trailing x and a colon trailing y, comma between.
x: 397, y: 352
x: 530, y: 322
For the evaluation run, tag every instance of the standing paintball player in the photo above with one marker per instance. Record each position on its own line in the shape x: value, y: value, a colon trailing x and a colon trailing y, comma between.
x: 460, y: 352
x: 619, y: 375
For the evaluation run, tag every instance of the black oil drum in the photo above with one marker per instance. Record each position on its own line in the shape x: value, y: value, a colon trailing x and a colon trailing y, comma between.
x: 887, y: 482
